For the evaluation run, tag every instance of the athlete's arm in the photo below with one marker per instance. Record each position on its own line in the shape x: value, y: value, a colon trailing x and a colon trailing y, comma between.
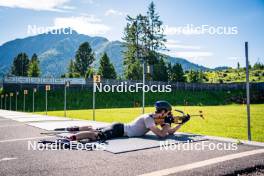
x: 160, y: 132
x: 174, y: 129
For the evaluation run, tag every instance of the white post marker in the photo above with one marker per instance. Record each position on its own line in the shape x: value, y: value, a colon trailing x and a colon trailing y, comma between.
x: 10, y: 100
x: 248, y: 93
x: 47, y: 88
x: 67, y: 84
x: 24, y: 102
x: 33, y: 99
x: 16, y: 99
x: 96, y: 79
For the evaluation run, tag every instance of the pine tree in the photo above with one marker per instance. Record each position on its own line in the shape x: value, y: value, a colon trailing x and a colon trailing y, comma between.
x: 177, y: 73
x: 160, y: 71
x: 90, y: 72
x: 143, y: 39
x: 258, y: 66
x: 201, y: 76
x: 106, y: 69
x: 34, y: 58
x: 193, y: 76
x: 156, y: 37
x: 71, y: 70
x: 20, y: 65
x: 33, y: 69
x: 132, y: 67
x: 83, y: 59
x: 169, y: 71
x: 71, y: 67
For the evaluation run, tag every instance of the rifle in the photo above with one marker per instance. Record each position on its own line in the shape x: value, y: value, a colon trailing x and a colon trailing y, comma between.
x: 180, y: 119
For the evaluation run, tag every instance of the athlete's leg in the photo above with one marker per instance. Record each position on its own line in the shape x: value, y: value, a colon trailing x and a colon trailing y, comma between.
x: 79, y: 128
x: 86, y: 128
x: 91, y: 135
x: 113, y: 131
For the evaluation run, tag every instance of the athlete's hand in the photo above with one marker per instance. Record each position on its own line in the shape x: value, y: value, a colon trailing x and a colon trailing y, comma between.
x: 169, y: 119
x: 186, y: 119
x: 165, y: 125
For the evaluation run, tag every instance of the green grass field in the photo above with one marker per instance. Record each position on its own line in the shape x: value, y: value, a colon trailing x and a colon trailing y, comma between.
x: 234, y: 75
x: 226, y: 120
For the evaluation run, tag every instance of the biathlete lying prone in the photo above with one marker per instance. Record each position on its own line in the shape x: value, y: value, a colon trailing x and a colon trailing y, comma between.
x: 139, y: 127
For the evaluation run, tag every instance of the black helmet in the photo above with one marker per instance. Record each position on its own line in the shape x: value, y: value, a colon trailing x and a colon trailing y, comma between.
x: 162, y: 105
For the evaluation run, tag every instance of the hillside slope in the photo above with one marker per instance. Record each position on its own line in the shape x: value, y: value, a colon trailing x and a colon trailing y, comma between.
x: 55, y: 52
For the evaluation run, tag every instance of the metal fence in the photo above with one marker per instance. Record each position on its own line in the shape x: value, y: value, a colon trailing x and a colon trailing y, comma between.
x: 27, y: 82
x: 39, y: 80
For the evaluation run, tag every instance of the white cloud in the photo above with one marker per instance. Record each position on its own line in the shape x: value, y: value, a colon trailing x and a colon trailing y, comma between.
x: 48, y: 5
x: 180, y: 46
x: 190, y: 52
x: 82, y: 24
x: 113, y: 12
x: 191, y: 55
x: 178, y: 49
x: 194, y: 54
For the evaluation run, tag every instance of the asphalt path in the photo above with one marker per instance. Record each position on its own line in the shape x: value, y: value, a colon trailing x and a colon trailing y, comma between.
x: 17, y: 159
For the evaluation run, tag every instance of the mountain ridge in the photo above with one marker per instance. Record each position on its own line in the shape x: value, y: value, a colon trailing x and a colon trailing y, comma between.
x: 56, y: 50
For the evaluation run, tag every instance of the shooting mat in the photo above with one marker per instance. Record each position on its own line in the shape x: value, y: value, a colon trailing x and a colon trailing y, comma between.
x: 150, y: 140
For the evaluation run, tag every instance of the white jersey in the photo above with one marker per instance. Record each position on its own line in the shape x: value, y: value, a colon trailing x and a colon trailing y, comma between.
x: 139, y: 126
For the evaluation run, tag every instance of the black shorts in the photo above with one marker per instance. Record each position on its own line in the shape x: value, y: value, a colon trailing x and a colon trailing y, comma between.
x: 114, y: 130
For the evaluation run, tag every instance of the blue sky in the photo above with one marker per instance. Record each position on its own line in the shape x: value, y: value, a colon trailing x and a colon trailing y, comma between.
x: 244, y: 18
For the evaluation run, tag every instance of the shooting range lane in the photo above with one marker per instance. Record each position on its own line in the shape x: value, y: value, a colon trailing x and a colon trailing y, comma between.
x: 42, y: 119
x: 16, y: 115
x: 51, y: 125
x: 48, y: 122
x: 27, y: 117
